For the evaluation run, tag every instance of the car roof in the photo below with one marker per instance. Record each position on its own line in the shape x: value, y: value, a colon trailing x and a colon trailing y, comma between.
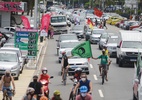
x: 10, y: 48
x: 10, y: 52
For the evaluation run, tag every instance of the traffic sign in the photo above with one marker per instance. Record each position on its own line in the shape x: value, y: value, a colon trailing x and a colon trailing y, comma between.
x: 26, y: 39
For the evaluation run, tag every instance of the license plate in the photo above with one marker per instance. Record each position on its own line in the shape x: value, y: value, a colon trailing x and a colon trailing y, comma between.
x: 133, y: 60
x: 74, y: 67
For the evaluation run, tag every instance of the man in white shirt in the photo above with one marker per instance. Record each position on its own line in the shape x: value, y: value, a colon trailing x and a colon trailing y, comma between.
x: 43, y: 34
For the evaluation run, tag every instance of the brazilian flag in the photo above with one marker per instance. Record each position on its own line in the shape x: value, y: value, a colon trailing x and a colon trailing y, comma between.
x: 83, y: 50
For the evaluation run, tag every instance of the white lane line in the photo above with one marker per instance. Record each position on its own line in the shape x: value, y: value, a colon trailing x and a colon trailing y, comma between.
x: 91, y: 66
x: 95, y: 77
x: 101, y: 93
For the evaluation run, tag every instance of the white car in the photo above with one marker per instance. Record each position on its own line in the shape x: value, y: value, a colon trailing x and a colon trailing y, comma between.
x: 66, y: 46
x: 77, y: 62
x: 18, y: 51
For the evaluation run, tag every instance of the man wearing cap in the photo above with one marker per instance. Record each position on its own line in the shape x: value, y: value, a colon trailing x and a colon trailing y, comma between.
x: 6, y: 84
x: 83, y: 94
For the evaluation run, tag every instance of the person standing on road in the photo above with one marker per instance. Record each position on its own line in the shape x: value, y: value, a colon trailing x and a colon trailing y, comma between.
x: 43, y: 34
x: 37, y: 86
x: 5, y: 85
x: 83, y: 94
x: 104, y: 23
x: 84, y: 82
x: 96, y: 22
x: 50, y: 34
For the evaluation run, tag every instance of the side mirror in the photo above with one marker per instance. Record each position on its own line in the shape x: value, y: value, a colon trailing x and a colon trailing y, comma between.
x: 20, y: 59
x: 118, y: 46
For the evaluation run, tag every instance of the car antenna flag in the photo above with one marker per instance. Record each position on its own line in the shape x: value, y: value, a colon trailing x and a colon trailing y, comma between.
x: 83, y: 50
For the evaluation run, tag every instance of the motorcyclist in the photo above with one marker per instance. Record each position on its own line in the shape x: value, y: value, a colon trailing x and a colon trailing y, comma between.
x: 44, y: 75
x: 56, y: 95
x: 77, y: 74
x: 29, y: 94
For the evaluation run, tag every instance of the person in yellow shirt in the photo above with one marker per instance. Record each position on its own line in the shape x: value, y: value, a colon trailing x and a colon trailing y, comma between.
x: 107, y: 53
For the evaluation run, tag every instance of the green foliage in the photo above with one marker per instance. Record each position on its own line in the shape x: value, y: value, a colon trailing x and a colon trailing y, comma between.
x: 87, y: 4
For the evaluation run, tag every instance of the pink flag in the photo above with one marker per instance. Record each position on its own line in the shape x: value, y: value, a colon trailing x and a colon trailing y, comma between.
x: 26, y: 22
x: 45, y: 21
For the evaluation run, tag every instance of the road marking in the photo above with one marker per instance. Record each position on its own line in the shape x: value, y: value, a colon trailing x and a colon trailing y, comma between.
x: 95, y: 77
x: 42, y: 58
x: 91, y: 66
x: 101, y: 93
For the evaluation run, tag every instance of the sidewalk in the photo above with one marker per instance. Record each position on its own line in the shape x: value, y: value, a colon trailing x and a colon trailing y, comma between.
x: 24, y: 80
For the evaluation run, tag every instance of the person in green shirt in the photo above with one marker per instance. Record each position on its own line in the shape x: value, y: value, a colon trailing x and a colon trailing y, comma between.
x: 103, y: 63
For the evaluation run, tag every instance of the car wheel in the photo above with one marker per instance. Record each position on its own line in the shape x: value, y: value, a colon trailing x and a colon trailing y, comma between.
x: 120, y: 63
x: 117, y: 60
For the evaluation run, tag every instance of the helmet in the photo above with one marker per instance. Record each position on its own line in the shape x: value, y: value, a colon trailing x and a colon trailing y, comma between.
x: 136, y: 80
x: 105, y: 46
x: 103, y: 50
x: 78, y: 70
x: 44, y: 70
x: 83, y: 89
x: 43, y: 98
x: 35, y: 77
x: 64, y: 51
x: 57, y: 92
x: 30, y: 90
x: 7, y: 71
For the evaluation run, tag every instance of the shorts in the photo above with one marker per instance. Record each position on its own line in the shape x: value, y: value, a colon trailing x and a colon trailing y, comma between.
x: 9, y: 93
x: 104, y: 66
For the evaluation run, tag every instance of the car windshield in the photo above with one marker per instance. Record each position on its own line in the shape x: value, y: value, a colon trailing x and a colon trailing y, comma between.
x: 98, y: 31
x: 7, y: 57
x: 58, y: 19
x: 69, y: 44
x: 68, y: 37
x: 112, y: 40
x: 17, y: 51
x: 132, y: 44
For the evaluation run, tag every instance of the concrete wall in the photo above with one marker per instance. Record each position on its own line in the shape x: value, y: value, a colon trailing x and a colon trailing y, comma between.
x: 5, y: 18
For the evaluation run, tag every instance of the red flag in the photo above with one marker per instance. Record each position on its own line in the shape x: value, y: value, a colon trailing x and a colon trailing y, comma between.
x: 45, y: 21
x: 26, y: 22
x: 98, y: 12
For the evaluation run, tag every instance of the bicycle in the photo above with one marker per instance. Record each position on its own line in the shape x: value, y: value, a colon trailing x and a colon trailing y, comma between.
x: 72, y: 96
x: 6, y: 97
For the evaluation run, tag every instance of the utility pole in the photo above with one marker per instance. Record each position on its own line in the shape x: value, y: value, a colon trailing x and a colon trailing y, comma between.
x: 35, y: 14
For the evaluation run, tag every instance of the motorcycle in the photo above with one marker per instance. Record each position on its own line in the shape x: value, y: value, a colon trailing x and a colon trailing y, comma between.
x: 45, y: 86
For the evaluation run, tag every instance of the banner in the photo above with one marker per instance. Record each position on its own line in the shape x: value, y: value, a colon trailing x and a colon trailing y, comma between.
x: 45, y: 21
x: 26, y: 22
x: 83, y: 50
x: 12, y: 6
x: 98, y: 12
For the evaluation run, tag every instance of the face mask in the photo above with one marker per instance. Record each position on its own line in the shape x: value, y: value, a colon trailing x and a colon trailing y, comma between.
x: 44, y: 72
x: 83, y: 94
x: 83, y: 79
x: 35, y: 80
x: 7, y: 74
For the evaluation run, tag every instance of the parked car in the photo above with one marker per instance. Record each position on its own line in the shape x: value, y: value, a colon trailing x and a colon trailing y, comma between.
x: 113, y: 20
x: 78, y: 30
x: 77, y: 62
x: 138, y: 29
x: 136, y: 25
x: 18, y: 51
x: 128, y: 24
x: 95, y: 35
x: 6, y: 32
x: 67, y: 38
x: 10, y: 61
x: 112, y: 45
x: 67, y: 46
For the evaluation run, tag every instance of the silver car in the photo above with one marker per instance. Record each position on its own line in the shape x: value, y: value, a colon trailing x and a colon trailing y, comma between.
x: 112, y: 45
x: 66, y: 46
x: 95, y: 35
x: 10, y: 61
x: 18, y: 51
x: 77, y: 62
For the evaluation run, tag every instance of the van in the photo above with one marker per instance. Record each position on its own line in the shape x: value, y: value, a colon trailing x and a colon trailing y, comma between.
x: 128, y: 46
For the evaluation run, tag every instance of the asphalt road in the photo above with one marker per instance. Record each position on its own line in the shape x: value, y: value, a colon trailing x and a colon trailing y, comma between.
x: 118, y: 87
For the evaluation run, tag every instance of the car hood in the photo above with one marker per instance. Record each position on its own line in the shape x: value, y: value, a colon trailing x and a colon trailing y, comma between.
x: 96, y: 35
x: 111, y: 45
x: 102, y: 40
x: 130, y: 50
x: 77, y: 60
x: 7, y: 65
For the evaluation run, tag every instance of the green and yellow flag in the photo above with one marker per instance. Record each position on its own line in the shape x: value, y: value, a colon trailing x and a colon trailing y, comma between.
x: 83, y: 50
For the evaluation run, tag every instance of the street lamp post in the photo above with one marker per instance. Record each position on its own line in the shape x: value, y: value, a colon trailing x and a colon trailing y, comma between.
x: 35, y: 13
